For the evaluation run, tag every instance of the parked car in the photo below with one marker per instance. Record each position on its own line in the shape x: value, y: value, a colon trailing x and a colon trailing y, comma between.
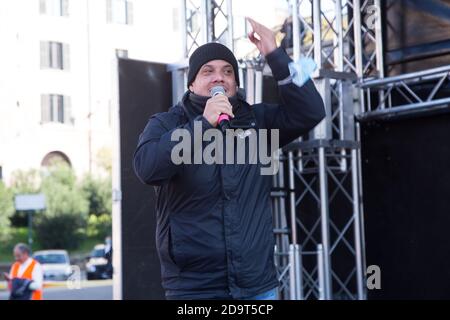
x: 55, y: 264
x: 97, y: 264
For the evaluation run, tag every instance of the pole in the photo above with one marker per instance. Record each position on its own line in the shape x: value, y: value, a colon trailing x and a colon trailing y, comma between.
x: 30, y: 226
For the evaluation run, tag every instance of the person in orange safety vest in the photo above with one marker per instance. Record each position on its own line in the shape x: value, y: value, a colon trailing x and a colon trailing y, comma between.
x: 25, y: 275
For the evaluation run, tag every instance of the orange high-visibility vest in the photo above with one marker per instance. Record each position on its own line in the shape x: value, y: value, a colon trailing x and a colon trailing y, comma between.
x: 28, y: 274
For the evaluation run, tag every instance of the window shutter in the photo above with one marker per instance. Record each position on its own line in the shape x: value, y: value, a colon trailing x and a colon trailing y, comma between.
x: 65, y: 8
x: 45, y: 108
x: 53, y: 107
x: 60, y: 108
x: 68, y: 119
x: 129, y: 12
x: 66, y: 56
x: 109, y: 11
x: 42, y: 7
x: 45, y: 55
x: 54, y: 58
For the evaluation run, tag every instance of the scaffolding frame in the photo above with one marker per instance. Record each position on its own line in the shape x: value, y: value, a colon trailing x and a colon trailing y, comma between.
x: 346, y: 45
x: 206, y: 21
x: 405, y: 94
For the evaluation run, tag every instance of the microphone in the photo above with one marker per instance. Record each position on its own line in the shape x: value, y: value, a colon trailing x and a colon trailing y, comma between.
x: 224, y: 119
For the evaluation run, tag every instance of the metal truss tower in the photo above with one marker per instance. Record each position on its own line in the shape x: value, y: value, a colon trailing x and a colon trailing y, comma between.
x: 320, y: 248
x: 317, y: 196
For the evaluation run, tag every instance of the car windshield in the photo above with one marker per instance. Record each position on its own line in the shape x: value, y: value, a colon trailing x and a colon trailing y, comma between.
x: 51, y: 258
x: 97, y: 253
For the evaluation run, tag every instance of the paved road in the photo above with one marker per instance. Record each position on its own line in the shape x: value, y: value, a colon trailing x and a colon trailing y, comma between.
x: 97, y: 292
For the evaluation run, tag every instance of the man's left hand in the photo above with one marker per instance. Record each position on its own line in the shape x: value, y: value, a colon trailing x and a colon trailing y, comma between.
x: 266, y: 42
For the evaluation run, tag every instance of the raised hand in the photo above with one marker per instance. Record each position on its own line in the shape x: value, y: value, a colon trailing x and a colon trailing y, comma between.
x: 262, y: 37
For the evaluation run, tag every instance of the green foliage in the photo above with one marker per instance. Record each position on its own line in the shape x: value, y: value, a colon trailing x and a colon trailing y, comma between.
x: 75, y: 209
x: 104, y: 159
x: 25, y: 181
x: 15, y: 235
x: 98, y: 192
x: 6, y: 211
x: 99, y: 227
x: 62, y: 193
x: 62, y: 223
x: 60, y: 232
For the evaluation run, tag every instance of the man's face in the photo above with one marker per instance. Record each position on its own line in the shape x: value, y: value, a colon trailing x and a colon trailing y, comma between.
x: 214, y: 73
x: 20, y: 256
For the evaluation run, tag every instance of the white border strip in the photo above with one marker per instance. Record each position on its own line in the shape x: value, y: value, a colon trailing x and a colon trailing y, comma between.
x: 116, y: 185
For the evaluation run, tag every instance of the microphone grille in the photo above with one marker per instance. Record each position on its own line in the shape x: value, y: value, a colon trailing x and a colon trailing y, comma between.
x: 217, y: 90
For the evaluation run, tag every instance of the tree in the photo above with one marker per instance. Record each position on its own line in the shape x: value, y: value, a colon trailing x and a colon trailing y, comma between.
x: 99, y: 194
x: 65, y: 222
x: 63, y: 195
x: 99, y: 227
x: 104, y: 159
x: 62, y: 224
x: 25, y: 181
x: 6, y: 211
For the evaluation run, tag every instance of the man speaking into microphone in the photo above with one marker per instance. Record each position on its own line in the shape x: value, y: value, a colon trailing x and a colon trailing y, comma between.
x: 214, y: 229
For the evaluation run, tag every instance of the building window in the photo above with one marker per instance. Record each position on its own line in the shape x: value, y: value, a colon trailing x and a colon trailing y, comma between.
x: 54, y: 7
x: 121, y: 53
x: 55, y: 157
x: 119, y: 11
x: 56, y: 108
x: 54, y: 55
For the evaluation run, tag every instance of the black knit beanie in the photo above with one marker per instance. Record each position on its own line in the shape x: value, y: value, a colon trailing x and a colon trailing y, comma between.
x: 208, y: 52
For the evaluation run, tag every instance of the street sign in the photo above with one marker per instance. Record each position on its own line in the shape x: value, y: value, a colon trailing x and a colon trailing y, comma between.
x: 26, y: 202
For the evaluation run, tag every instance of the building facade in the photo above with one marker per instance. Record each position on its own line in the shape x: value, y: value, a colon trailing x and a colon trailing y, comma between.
x: 57, y: 74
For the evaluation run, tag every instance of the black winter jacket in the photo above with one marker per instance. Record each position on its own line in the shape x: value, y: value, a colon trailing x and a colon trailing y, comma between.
x: 214, y: 222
